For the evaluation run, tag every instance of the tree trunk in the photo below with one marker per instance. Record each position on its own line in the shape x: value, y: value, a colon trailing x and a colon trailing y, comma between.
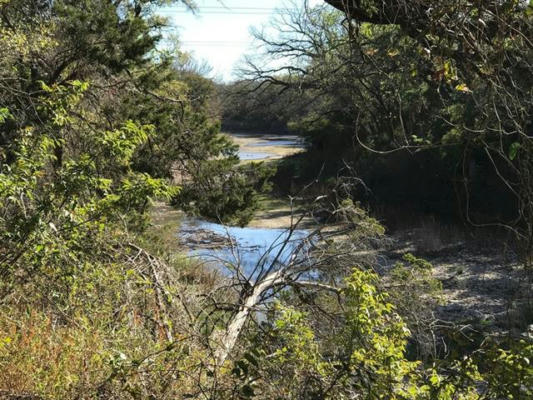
x: 229, y: 338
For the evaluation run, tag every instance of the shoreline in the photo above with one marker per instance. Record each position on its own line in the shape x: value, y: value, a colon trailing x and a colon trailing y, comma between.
x: 260, y: 144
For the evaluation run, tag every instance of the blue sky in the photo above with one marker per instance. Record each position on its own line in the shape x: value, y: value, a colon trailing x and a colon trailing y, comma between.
x: 220, y: 32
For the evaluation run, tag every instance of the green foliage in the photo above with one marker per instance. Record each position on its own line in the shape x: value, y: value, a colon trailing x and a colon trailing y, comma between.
x: 413, y: 106
x: 509, y: 373
x: 415, y: 277
x: 94, y: 125
x: 53, y: 213
x: 247, y: 107
x: 229, y: 196
x: 297, y: 345
x: 87, y: 104
x: 205, y: 163
x: 363, y: 352
x: 69, y: 150
x: 377, y: 337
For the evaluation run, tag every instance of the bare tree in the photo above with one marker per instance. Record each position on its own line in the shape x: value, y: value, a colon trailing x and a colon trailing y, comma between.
x: 314, y: 260
x: 473, y: 58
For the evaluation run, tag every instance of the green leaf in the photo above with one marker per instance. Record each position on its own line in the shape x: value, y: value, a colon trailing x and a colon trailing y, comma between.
x: 463, y: 88
x: 4, y: 114
x: 513, y: 150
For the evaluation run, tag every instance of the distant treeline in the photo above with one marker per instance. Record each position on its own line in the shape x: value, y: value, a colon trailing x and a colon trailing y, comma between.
x: 250, y: 108
x: 427, y: 180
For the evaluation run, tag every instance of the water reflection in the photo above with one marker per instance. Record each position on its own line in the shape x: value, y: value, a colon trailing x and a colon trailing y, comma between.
x: 249, y: 247
x: 279, y: 142
x: 249, y: 155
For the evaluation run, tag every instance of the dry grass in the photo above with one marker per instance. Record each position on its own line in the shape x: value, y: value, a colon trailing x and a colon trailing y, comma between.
x: 43, y: 357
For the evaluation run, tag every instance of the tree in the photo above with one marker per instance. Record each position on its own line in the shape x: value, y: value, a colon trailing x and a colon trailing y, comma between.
x: 89, y: 103
x: 293, y: 262
x: 65, y: 171
x: 362, y: 355
x: 387, y: 64
x: 84, y: 96
x: 249, y: 107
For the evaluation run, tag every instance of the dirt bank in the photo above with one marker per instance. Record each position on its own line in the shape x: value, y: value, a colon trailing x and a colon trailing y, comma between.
x: 278, y: 214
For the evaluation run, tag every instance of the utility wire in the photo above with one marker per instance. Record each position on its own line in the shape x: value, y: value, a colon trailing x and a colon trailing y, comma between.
x: 221, y: 13
x: 214, y: 43
x: 225, y: 10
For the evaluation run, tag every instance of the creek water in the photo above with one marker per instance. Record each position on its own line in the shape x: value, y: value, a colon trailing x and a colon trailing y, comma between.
x: 266, y: 146
x: 252, y: 155
x: 251, y: 248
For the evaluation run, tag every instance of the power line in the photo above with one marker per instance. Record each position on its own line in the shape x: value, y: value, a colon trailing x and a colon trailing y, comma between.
x: 221, y: 13
x: 209, y: 43
x: 238, y: 8
x: 213, y: 41
x: 225, y: 10
x: 214, y: 45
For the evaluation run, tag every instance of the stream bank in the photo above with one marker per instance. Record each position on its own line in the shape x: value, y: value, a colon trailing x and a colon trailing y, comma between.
x: 266, y: 147
x: 261, y: 241
x: 476, y: 282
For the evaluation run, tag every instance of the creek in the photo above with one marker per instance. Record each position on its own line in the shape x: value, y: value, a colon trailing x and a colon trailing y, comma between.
x: 249, y: 247
x: 253, y: 249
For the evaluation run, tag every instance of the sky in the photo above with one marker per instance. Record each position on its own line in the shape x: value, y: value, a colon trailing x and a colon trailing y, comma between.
x: 220, y: 31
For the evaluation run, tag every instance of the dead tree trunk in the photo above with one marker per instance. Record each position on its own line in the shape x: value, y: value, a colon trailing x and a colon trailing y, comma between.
x: 229, y: 337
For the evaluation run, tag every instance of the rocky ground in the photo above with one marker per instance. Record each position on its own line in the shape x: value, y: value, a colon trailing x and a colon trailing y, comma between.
x: 483, y: 281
